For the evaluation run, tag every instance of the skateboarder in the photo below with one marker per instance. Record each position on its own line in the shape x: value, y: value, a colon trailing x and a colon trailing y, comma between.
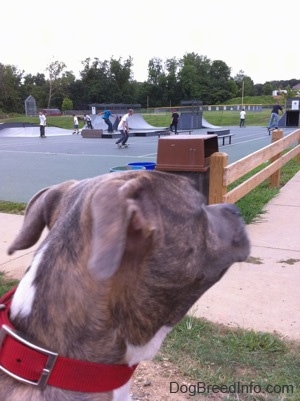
x: 88, y: 121
x: 174, y: 122
x: 106, y: 114
x: 123, y: 127
x: 274, y: 119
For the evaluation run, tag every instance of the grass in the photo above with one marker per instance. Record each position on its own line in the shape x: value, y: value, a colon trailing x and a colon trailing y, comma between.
x: 216, y: 355
x: 65, y: 122
x: 231, y: 118
x: 252, y: 204
x: 12, y: 207
x: 221, y: 118
x: 265, y: 100
x: 6, y: 283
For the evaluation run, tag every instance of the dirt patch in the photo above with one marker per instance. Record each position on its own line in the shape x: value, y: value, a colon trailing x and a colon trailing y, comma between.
x: 151, y: 382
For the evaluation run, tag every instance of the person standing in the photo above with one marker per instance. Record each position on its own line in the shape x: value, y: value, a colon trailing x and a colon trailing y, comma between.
x: 242, y: 118
x: 43, y: 122
x: 274, y: 119
x: 106, y: 114
x: 76, y: 129
x: 174, y: 122
x: 123, y: 127
x: 88, y: 121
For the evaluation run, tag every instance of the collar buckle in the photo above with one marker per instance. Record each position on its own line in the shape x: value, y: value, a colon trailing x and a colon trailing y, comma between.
x: 41, y: 383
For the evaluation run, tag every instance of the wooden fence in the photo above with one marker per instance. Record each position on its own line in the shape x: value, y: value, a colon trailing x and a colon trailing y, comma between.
x: 222, y: 175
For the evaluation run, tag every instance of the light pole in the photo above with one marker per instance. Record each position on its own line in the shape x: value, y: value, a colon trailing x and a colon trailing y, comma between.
x: 243, y: 93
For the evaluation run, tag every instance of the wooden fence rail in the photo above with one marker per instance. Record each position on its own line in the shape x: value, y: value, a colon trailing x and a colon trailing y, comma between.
x: 221, y: 174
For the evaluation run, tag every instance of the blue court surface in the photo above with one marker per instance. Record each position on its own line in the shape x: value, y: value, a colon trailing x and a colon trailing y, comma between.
x: 29, y: 163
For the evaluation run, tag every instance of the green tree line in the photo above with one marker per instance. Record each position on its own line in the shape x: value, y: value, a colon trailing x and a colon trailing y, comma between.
x: 111, y: 81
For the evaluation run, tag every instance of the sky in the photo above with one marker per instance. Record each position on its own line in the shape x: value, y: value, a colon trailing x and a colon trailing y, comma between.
x: 259, y: 37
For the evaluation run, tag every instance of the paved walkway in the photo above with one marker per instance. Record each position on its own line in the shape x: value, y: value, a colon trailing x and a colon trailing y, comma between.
x: 262, y: 294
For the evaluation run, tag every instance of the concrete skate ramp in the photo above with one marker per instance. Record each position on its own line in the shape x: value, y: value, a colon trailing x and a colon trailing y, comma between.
x: 282, y: 121
x: 193, y: 121
x: 99, y: 123
x: 137, y: 122
x: 206, y: 124
x: 30, y: 132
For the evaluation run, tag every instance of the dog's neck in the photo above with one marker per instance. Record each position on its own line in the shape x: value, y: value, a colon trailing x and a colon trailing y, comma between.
x: 84, y: 320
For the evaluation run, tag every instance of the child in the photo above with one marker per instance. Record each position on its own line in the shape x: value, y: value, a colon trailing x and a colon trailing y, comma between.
x: 76, y: 130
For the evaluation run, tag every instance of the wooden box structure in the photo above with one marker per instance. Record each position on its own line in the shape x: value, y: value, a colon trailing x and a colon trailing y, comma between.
x: 92, y: 133
x: 188, y: 155
x: 185, y: 152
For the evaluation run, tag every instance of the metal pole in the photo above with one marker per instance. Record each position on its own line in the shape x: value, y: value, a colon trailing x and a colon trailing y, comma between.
x: 243, y: 93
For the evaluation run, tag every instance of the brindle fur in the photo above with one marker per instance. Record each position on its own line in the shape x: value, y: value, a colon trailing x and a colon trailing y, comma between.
x: 126, y: 253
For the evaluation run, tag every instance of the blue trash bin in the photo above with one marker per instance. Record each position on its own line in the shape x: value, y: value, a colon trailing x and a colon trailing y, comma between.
x: 147, y: 165
x: 126, y: 168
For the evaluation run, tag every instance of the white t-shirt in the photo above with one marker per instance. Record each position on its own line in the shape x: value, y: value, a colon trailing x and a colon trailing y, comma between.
x: 243, y: 114
x: 75, y: 120
x: 123, y: 124
x: 42, y: 119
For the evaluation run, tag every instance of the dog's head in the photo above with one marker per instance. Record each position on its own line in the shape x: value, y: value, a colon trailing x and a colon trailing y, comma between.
x: 150, y: 230
x: 126, y: 256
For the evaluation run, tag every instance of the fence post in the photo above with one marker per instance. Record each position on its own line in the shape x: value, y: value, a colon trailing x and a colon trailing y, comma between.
x: 298, y: 157
x: 218, y: 161
x: 275, y: 178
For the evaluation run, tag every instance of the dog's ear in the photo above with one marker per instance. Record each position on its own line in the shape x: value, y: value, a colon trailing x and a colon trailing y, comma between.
x: 41, y: 212
x: 118, y: 226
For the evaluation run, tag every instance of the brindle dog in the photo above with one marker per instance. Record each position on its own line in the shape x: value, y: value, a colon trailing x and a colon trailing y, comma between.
x: 126, y: 256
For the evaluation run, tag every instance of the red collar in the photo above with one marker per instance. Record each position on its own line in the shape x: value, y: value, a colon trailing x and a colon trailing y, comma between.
x: 39, y: 367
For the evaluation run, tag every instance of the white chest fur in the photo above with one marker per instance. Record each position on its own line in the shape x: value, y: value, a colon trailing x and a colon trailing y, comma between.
x: 25, y: 293
x: 136, y: 354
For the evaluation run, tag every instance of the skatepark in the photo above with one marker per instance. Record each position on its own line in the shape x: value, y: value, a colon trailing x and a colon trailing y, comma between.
x: 139, y: 126
x: 29, y: 163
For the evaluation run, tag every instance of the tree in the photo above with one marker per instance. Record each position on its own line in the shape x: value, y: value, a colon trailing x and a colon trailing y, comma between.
x: 172, y: 84
x: 120, y: 77
x: 95, y: 80
x: 78, y: 95
x: 193, y: 77
x: 36, y: 86
x: 157, y: 83
x: 219, y: 71
x: 245, y: 84
x: 239, y: 78
x: 54, y: 69
x: 221, y: 86
x: 67, y: 104
x: 155, y: 71
x: 267, y: 89
x: 10, y: 89
x: 290, y: 93
x: 258, y: 88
